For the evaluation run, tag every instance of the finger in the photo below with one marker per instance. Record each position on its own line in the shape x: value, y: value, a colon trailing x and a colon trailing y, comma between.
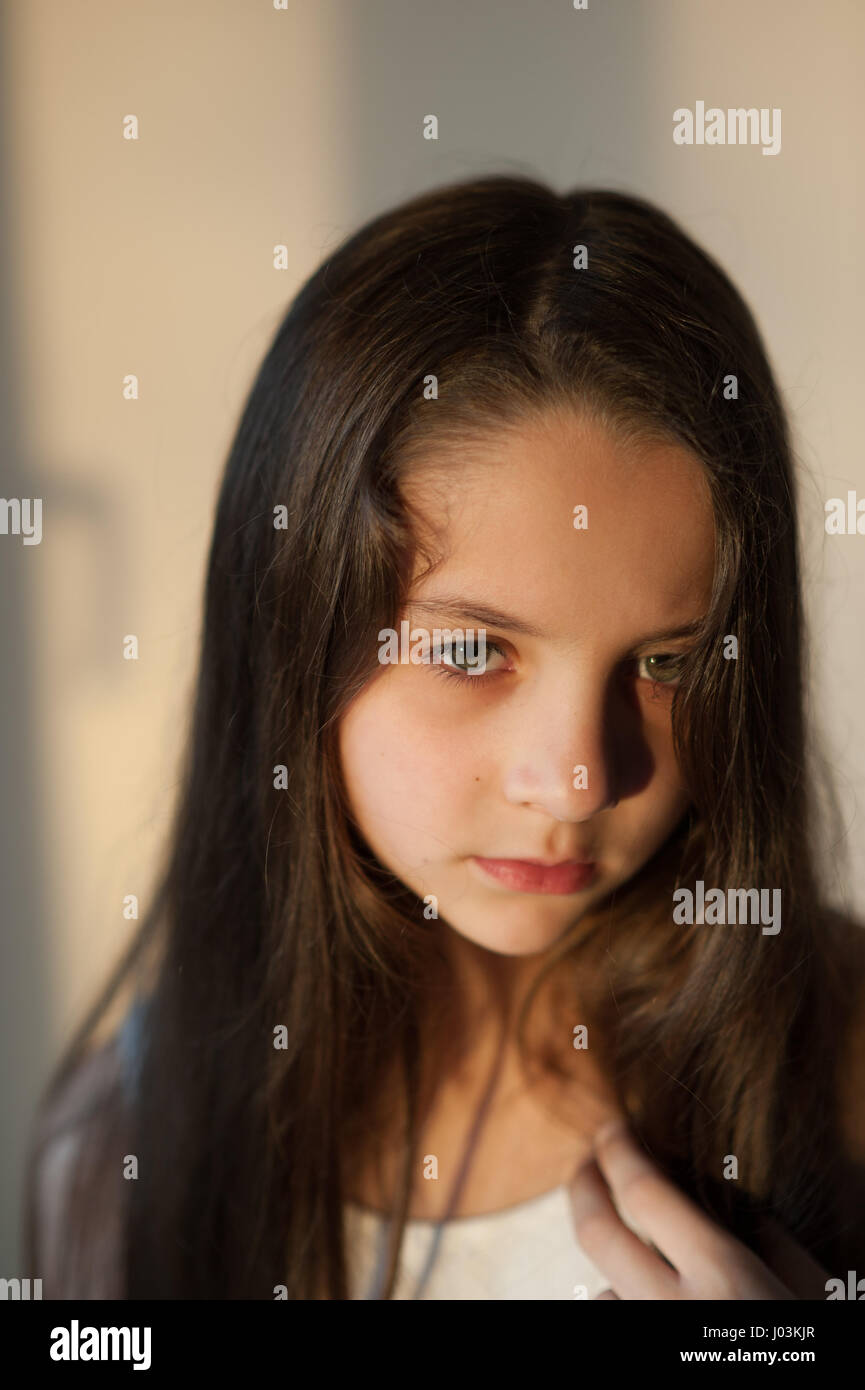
x: 668, y: 1218
x: 607, y: 1294
x: 636, y: 1271
x: 792, y: 1262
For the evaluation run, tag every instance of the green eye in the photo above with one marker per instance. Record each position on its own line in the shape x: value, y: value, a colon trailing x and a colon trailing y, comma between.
x: 450, y: 669
x: 664, y: 668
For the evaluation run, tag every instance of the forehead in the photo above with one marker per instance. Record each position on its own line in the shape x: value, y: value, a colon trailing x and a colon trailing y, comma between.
x: 498, y: 518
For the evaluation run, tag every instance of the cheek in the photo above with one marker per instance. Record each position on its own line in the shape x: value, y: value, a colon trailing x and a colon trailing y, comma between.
x: 397, y: 768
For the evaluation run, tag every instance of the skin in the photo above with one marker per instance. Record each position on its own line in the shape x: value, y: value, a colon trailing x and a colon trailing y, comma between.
x: 437, y: 771
x: 486, y: 768
x: 708, y: 1262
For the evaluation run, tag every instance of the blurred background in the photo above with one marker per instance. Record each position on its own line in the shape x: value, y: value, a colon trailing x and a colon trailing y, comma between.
x: 292, y: 123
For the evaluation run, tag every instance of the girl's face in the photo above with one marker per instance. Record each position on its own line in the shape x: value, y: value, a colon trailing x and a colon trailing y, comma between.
x: 443, y: 771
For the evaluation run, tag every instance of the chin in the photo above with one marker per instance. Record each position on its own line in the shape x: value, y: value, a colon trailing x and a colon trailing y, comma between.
x: 518, y: 940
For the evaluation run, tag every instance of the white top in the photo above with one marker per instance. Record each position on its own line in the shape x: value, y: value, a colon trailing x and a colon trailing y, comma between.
x: 528, y: 1251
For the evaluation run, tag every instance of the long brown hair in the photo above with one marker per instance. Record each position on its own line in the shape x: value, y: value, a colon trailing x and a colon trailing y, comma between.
x: 271, y: 912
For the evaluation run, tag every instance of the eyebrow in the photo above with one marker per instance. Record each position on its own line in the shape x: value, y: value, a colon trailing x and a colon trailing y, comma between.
x: 488, y: 616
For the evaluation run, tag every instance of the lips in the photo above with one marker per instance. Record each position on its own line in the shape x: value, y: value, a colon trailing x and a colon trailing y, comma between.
x: 534, y: 876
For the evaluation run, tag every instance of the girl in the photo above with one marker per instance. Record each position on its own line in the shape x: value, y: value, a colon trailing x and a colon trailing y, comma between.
x: 419, y: 1012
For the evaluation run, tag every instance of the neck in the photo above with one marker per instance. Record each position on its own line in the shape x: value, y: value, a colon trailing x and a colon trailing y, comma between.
x: 476, y: 1021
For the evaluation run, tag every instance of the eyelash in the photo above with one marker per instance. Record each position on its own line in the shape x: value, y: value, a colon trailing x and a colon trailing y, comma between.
x: 460, y: 678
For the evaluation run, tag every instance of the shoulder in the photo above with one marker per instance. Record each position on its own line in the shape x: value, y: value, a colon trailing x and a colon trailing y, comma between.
x: 75, y: 1183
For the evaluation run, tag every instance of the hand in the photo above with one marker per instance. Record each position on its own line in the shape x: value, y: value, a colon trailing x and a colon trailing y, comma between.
x: 705, y: 1260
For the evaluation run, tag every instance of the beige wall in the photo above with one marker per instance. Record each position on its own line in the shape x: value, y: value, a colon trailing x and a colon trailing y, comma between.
x: 153, y: 257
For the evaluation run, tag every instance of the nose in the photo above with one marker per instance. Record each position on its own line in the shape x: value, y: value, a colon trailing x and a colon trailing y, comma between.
x: 567, y: 750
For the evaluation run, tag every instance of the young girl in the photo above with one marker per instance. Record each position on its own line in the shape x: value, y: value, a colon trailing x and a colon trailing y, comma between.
x: 420, y: 1008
